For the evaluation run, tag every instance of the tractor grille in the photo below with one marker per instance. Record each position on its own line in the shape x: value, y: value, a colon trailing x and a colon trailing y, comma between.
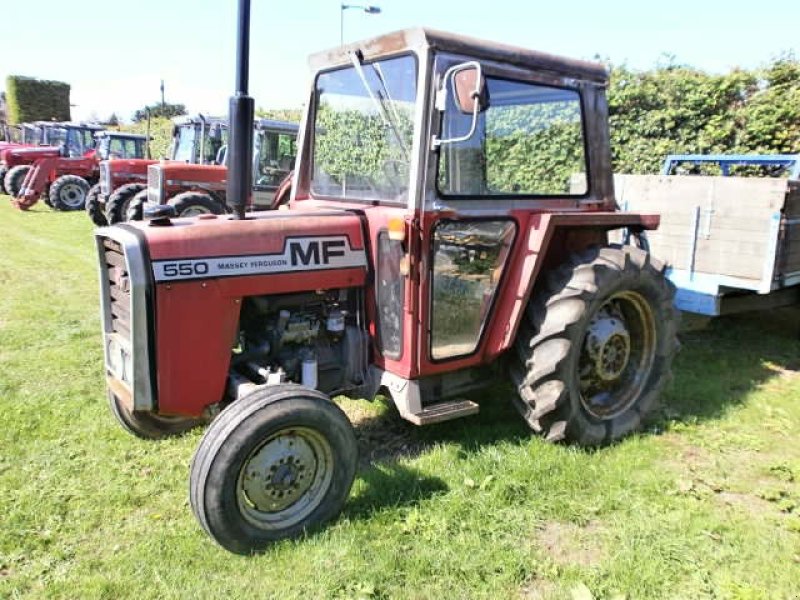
x: 119, y: 288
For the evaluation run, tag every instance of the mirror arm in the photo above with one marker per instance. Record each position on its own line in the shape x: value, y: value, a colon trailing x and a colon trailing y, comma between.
x: 441, y: 102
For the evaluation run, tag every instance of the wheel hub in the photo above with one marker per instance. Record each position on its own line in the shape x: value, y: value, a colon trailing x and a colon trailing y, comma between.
x: 279, y: 474
x: 608, y: 345
x: 71, y: 194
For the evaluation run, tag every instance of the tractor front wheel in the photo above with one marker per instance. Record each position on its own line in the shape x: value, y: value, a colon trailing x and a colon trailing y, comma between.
x: 118, y: 201
x: 69, y: 192
x: 93, y: 207
x: 191, y: 204
x: 596, y: 347
x: 3, y: 171
x: 12, y: 182
x: 136, y: 206
x: 150, y: 426
x: 272, y: 465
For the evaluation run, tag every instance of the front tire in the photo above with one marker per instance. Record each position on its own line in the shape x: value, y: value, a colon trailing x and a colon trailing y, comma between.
x: 93, y: 208
x: 12, y: 182
x: 3, y: 171
x: 69, y: 192
x: 150, y: 426
x: 596, y: 347
x: 191, y: 204
x: 136, y: 206
x: 271, y: 466
x: 118, y: 201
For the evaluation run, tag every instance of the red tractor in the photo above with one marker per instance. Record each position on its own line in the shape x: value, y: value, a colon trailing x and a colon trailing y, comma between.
x: 449, y: 222
x: 24, y: 135
x: 65, y: 140
x: 195, y: 139
x: 66, y: 182
x: 193, y: 189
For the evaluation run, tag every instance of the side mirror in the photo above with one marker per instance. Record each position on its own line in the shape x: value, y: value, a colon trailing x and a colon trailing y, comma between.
x: 469, y: 88
x: 470, y: 96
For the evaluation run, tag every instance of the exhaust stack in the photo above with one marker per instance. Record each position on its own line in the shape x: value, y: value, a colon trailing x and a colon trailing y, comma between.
x: 240, y: 122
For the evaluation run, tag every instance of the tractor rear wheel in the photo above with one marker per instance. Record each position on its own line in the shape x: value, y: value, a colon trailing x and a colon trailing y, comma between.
x: 3, y: 171
x: 118, y: 201
x: 69, y: 192
x: 136, y: 206
x: 150, y: 426
x: 596, y: 346
x: 272, y: 465
x: 93, y: 207
x: 191, y: 204
x: 12, y: 182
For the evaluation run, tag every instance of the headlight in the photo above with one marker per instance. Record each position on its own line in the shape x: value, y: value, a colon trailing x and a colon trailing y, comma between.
x: 155, y: 184
x: 119, y: 360
x: 105, y: 178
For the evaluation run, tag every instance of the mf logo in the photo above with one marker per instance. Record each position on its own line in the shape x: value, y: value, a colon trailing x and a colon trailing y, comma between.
x: 308, y: 252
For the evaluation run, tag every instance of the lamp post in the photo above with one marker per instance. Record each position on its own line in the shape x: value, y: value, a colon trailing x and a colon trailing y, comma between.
x: 370, y: 10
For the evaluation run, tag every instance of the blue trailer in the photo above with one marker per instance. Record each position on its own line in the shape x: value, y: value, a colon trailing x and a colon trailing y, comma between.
x: 732, y: 242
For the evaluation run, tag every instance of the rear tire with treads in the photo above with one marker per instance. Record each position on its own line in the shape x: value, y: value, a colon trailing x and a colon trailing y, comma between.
x: 596, y: 346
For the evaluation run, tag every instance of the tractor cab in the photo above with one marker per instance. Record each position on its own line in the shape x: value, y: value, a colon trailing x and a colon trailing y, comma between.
x: 117, y: 145
x: 199, y: 140
x: 274, y: 153
x: 73, y: 140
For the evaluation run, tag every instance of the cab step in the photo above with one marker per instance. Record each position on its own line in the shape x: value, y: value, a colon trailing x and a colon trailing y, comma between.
x: 444, y: 411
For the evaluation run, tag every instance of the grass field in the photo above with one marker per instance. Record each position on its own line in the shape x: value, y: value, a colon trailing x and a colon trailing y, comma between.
x: 705, y: 505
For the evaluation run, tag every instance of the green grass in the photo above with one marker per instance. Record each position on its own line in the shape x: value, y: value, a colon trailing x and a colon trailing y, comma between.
x: 705, y: 505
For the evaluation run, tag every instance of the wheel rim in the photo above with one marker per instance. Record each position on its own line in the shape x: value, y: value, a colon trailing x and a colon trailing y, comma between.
x: 195, y: 210
x: 72, y: 195
x: 284, y: 479
x: 617, y: 355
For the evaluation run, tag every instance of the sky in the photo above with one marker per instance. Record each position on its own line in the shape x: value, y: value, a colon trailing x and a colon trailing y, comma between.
x: 115, y: 54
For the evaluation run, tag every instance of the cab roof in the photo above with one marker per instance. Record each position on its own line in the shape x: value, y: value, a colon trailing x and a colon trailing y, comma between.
x: 419, y: 39
x: 120, y: 134
x: 273, y: 124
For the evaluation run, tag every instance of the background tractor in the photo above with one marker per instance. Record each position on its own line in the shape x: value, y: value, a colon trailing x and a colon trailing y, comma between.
x: 24, y: 135
x: 193, y: 189
x: 196, y: 139
x: 66, y: 182
x: 412, y: 260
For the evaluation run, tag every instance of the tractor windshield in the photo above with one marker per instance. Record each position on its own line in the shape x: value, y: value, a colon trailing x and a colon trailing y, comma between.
x: 120, y: 147
x: 185, y: 143
x: 364, y: 130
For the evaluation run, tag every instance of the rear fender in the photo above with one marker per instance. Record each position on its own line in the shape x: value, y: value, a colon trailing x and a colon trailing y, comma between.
x: 546, y: 243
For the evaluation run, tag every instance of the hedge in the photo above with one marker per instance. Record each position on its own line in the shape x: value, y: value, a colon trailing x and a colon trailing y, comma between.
x: 30, y: 99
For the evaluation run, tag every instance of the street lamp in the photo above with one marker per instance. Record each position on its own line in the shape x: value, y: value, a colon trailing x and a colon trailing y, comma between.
x: 370, y: 10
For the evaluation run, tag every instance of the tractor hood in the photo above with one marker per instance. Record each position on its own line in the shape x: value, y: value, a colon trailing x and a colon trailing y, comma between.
x: 175, y: 171
x: 278, y: 242
x: 123, y: 166
x: 30, y: 154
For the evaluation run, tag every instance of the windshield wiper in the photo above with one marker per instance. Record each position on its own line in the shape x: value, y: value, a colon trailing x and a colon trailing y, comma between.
x: 379, y: 101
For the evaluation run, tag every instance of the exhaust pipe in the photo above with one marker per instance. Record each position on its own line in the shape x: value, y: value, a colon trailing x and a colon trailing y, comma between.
x: 240, y: 122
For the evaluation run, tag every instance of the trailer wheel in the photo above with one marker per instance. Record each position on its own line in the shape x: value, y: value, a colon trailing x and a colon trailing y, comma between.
x: 3, y: 171
x: 150, y: 426
x: 273, y: 465
x: 191, y: 204
x: 596, y: 346
x: 118, y: 201
x: 93, y: 208
x: 136, y: 206
x: 12, y: 182
x: 69, y: 192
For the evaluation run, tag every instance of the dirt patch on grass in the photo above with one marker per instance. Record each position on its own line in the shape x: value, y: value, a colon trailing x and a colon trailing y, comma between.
x: 383, y: 437
x: 571, y: 544
x: 751, y: 504
x: 538, y: 589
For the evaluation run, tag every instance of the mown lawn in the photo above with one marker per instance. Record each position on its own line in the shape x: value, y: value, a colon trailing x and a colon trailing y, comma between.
x: 705, y: 505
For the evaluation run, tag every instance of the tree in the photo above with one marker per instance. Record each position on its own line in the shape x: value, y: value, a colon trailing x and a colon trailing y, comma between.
x: 166, y: 110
